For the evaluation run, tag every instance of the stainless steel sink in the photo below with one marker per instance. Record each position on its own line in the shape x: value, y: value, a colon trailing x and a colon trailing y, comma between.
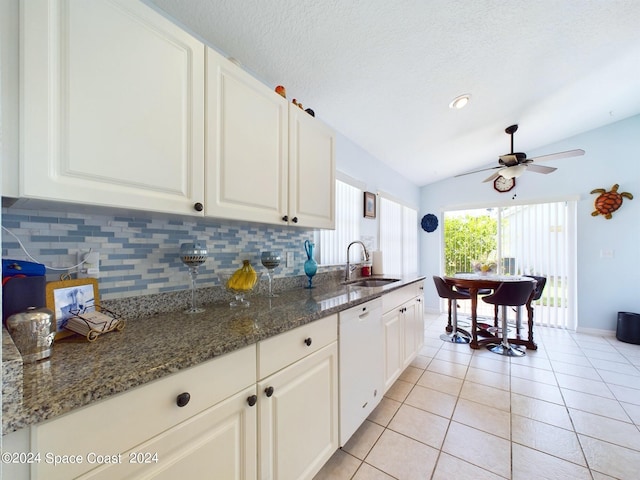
x: 374, y: 282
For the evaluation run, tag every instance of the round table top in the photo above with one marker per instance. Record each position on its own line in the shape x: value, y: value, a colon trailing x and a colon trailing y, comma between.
x: 474, y: 280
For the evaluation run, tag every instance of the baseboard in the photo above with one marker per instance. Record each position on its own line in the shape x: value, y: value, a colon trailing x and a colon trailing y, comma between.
x: 596, y: 331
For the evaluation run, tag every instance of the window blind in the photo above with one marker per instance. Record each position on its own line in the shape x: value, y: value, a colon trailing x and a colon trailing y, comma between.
x: 333, y: 243
x: 398, y: 237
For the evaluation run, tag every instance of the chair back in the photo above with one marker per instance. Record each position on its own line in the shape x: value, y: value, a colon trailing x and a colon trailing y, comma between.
x: 512, y: 294
x: 541, y: 282
x: 445, y: 290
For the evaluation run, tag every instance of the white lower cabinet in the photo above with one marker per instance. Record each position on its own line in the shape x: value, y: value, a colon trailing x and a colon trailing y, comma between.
x: 220, y: 442
x: 298, y: 404
x: 403, y: 325
x: 214, y: 429
x: 299, y: 417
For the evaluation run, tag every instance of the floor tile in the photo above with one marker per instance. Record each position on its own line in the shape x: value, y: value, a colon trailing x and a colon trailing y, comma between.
x: 367, y: 472
x: 450, y: 467
x: 486, y: 360
x: 541, y: 391
x: 488, y: 378
x: 483, y: 417
x: 532, y: 373
x: 547, y: 438
x: 576, y: 370
x: 529, y: 464
x: 448, y: 368
x: 613, y: 460
x: 493, y: 397
x: 384, y: 412
x: 363, y: 440
x: 586, y: 402
x: 625, y: 394
x: 399, y: 390
x: 341, y: 466
x: 423, y: 426
x: 607, y: 429
x: 594, y: 387
x: 479, y: 448
x: 402, y: 457
x: 441, y: 383
x: 411, y: 374
x: 541, y: 411
x: 432, y: 401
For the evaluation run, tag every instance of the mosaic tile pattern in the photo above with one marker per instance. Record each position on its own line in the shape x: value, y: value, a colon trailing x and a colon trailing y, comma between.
x: 139, y: 254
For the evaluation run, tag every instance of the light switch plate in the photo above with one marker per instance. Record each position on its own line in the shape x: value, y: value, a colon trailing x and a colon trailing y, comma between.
x: 289, y: 259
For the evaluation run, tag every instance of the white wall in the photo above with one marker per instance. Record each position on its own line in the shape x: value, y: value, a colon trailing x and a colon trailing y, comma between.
x: 605, y: 285
x: 375, y: 177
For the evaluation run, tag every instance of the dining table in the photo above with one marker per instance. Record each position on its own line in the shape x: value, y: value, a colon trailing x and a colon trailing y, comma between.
x: 473, y: 283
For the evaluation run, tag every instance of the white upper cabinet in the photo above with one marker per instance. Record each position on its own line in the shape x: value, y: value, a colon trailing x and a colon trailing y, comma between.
x: 246, y: 146
x: 112, y: 106
x: 266, y: 160
x: 312, y: 170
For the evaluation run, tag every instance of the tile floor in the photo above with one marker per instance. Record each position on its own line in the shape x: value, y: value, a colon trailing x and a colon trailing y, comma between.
x: 570, y: 410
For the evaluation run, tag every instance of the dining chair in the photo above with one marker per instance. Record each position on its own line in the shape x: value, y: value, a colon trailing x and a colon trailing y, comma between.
x: 509, y: 294
x: 537, y: 293
x: 452, y: 296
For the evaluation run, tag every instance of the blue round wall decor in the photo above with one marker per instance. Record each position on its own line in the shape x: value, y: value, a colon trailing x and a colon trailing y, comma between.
x: 429, y: 222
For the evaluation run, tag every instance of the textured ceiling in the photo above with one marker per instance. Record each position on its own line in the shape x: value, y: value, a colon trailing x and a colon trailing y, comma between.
x: 383, y: 72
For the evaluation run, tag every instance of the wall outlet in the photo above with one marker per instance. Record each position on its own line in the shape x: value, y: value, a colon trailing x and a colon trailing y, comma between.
x: 91, y: 265
x: 289, y: 259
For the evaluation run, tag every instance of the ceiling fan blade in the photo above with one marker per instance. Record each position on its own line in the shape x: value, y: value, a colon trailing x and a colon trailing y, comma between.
x: 554, y: 156
x: 476, y: 171
x: 540, y: 168
x: 492, y: 177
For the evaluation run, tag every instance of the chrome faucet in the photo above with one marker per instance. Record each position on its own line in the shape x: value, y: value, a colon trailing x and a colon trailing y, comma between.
x: 351, y: 268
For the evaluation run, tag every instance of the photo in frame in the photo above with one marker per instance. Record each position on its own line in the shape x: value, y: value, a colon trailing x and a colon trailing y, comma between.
x: 69, y: 298
x: 369, y: 205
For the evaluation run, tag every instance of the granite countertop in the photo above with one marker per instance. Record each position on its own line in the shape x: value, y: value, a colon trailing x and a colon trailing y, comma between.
x: 149, y: 348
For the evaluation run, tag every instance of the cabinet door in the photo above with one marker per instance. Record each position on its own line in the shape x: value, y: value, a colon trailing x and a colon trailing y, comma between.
x: 221, y: 441
x: 410, y: 332
x: 247, y: 146
x: 311, y: 171
x: 393, y: 346
x: 112, y: 106
x: 299, y: 420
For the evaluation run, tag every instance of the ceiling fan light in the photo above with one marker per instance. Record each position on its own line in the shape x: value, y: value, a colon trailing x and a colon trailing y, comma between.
x: 513, y: 172
x: 460, y: 101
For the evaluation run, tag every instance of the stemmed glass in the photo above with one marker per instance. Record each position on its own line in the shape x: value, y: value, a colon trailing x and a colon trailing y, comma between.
x: 270, y: 261
x: 193, y: 255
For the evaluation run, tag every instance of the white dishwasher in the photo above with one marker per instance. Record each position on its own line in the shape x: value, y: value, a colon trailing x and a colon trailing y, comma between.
x: 361, y: 364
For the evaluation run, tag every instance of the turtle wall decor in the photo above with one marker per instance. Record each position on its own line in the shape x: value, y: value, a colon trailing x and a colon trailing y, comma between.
x: 608, y: 202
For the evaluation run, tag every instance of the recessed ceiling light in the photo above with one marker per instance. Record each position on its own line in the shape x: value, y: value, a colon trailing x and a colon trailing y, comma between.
x: 460, y: 101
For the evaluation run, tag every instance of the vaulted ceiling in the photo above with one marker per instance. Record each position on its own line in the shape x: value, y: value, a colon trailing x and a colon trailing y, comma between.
x: 383, y: 72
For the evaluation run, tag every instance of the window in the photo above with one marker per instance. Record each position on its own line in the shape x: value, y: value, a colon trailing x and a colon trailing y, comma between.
x: 398, y: 237
x: 333, y: 243
x: 534, y: 239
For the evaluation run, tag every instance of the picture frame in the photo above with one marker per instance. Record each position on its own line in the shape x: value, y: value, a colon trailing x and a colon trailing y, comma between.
x: 68, y: 298
x: 369, y: 205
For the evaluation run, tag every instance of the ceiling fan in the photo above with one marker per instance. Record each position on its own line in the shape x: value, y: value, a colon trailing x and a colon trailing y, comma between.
x: 514, y: 164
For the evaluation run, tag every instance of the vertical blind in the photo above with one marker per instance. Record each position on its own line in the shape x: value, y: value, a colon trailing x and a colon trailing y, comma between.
x: 540, y: 238
x: 398, y: 237
x: 333, y: 243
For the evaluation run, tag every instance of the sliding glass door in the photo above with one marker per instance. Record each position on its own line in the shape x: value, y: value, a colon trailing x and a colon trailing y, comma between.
x: 535, y: 239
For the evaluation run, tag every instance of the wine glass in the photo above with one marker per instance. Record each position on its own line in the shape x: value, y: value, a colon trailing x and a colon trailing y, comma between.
x: 270, y: 261
x: 193, y: 255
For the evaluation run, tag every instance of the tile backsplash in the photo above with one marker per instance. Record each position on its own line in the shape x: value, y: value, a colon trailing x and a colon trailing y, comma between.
x: 139, y: 253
